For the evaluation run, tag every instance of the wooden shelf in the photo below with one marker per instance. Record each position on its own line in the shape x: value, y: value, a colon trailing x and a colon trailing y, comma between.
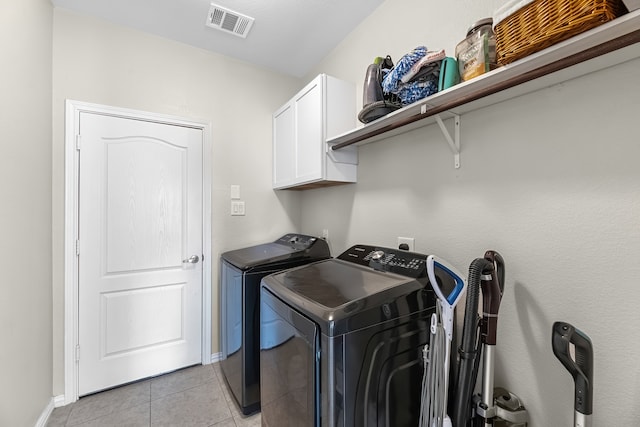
x: 607, y: 45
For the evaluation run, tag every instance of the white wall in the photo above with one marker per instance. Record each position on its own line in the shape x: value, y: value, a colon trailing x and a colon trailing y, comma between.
x: 550, y: 180
x: 25, y: 216
x: 97, y: 62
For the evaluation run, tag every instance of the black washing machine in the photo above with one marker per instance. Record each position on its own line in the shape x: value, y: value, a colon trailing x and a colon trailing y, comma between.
x: 342, y: 340
x: 242, y: 270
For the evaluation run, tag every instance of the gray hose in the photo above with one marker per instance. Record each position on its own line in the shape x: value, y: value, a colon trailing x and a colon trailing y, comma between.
x: 469, y: 346
x: 432, y: 410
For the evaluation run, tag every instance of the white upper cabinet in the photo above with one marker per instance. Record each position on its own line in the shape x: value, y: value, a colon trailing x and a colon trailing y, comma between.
x: 302, y: 159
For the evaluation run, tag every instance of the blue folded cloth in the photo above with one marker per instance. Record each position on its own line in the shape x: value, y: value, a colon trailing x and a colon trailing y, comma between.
x: 413, y: 90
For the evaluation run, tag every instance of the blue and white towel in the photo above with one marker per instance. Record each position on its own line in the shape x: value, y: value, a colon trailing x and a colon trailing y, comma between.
x: 415, y: 89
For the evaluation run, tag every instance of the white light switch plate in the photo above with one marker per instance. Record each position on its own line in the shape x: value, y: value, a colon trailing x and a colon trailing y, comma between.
x: 235, y: 192
x: 237, y: 208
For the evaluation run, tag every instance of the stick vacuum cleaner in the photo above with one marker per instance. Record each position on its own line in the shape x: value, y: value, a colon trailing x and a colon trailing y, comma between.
x: 492, y: 288
x: 481, y: 269
x: 574, y: 350
x: 479, y: 339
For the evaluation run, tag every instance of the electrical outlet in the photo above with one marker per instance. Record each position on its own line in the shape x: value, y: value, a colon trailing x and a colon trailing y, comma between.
x: 410, y: 241
x: 237, y: 207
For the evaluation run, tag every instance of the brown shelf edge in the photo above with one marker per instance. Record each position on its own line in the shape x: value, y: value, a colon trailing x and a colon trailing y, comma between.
x: 571, y: 60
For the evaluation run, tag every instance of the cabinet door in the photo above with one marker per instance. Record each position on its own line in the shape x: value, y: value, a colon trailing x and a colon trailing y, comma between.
x: 309, y: 156
x: 284, y: 135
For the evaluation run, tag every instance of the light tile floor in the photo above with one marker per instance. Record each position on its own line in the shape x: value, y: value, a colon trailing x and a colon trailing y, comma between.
x: 193, y: 397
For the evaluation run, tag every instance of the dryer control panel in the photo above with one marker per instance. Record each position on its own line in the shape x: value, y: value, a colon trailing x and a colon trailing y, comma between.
x: 297, y: 241
x: 397, y: 261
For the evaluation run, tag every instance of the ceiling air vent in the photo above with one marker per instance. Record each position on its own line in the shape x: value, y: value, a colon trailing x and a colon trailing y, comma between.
x: 227, y: 20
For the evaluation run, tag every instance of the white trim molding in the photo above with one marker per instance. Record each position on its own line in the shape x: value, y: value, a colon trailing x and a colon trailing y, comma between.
x: 46, y: 413
x: 72, y: 126
x: 58, y: 401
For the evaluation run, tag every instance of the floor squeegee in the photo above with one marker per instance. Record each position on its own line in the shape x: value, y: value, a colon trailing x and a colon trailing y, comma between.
x: 437, y: 354
x: 574, y: 350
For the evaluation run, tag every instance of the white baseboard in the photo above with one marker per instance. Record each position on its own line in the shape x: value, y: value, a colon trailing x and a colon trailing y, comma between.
x: 46, y: 413
x: 59, y: 401
x: 216, y: 357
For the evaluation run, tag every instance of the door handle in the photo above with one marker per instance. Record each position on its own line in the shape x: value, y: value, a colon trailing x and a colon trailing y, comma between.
x: 193, y: 259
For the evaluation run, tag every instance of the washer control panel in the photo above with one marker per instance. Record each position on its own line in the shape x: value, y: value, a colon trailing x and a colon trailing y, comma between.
x: 397, y: 261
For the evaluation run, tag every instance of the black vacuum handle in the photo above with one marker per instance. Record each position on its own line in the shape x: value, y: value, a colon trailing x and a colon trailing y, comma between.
x: 581, y: 369
x: 492, y: 290
x: 497, y: 260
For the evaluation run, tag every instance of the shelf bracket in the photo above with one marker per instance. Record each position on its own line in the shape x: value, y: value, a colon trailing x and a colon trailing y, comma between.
x: 454, y: 143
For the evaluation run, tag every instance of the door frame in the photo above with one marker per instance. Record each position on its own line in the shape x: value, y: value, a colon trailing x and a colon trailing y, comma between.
x: 73, y: 109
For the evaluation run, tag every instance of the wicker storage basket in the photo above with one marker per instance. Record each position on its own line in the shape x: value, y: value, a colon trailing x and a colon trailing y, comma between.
x: 543, y: 23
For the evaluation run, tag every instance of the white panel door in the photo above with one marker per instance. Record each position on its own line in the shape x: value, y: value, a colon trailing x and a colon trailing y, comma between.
x: 140, y: 221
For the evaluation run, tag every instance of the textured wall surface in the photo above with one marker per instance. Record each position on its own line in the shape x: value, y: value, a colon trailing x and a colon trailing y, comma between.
x: 25, y: 215
x: 549, y: 179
